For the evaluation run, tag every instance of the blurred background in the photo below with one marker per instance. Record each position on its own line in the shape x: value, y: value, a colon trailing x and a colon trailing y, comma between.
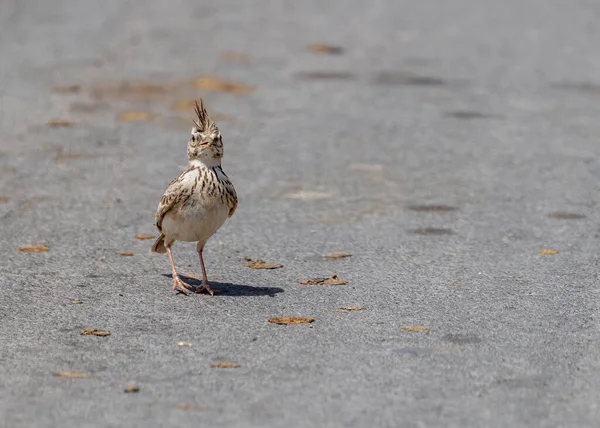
x: 450, y: 146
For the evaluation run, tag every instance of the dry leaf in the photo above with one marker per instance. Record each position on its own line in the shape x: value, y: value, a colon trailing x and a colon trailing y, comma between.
x: 261, y: 264
x: 67, y: 89
x: 127, y: 253
x: 143, y: 236
x: 548, y: 252
x: 225, y: 365
x: 95, y: 332
x: 187, y: 406
x: 415, y: 328
x: 56, y: 123
x: 348, y: 309
x: 72, y: 374
x: 4, y: 199
x: 335, y: 280
x: 332, y: 280
x: 131, y: 116
x: 336, y: 255
x: 34, y: 248
x: 76, y: 302
x: 213, y: 83
x: 322, y: 49
x: 291, y: 320
x: 564, y: 215
x: 132, y: 388
x: 458, y: 284
x: 184, y: 343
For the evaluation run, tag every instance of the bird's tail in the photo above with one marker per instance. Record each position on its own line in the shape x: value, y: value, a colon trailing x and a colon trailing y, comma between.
x: 159, y: 245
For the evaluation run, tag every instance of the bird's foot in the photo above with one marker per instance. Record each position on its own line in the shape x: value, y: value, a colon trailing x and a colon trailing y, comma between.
x: 182, y: 287
x: 205, y: 288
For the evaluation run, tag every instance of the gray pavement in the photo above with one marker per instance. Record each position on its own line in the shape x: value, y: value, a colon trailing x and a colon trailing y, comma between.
x: 490, y: 109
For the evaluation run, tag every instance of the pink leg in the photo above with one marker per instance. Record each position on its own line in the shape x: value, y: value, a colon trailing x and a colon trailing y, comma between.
x: 205, y: 286
x: 178, y: 284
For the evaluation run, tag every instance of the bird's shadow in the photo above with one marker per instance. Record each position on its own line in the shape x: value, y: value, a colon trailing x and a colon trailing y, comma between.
x: 232, y: 290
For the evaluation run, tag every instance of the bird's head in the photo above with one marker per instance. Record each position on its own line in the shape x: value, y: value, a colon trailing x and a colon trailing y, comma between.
x: 206, y: 144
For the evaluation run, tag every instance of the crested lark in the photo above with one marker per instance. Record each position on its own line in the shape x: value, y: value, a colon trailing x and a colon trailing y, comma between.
x: 197, y: 203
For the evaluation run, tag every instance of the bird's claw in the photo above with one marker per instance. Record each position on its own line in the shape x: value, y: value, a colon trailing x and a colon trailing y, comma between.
x: 205, y: 288
x: 182, y: 287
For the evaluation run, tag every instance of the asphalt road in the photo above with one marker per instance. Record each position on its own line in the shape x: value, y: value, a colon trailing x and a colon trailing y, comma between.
x: 443, y: 144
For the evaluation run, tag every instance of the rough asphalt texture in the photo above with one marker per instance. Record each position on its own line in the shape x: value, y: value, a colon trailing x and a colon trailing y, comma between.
x: 489, y: 108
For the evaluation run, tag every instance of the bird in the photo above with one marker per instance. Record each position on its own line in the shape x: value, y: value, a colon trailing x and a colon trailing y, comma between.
x: 199, y: 201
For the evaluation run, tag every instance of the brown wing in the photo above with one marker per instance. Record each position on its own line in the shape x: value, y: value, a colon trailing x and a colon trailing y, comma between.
x: 178, y: 191
x: 230, y: 194
x: 233, y: 203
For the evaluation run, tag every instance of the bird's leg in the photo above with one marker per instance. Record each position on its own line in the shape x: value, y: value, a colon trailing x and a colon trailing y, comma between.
x: 178, y: 284
x: 205, y: 287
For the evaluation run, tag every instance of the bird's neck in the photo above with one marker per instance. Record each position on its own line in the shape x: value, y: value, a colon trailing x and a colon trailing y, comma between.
x: 207, y: 163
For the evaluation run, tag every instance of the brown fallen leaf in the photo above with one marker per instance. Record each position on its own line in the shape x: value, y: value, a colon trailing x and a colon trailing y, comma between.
x: 335, y: 280
x: 564, y: 215
x: 192, y: 407
x: 184, y: 343
x: 213, y: 83
x: 57, y: 123
x: 95, y: 332
x: 548, y: 252
x: 291, y: 320
x: 67, y: 89
x: 332, y: 280
x: 127, y: 253
x: 143, y: 236
x: 348, y: 309
x: 415, y: 328
x: 72, y: 374
x: 76, y: 302
x: 261, y: 264
x: 337, y: 255
x: 224, y: 365
x: 131, y: 388
x: 4, y: 199
x: 323, y: 49
x: 34, y: 248
x: 133, y: 116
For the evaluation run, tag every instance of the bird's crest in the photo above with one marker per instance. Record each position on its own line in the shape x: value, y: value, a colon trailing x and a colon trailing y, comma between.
x: 203, y: 123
